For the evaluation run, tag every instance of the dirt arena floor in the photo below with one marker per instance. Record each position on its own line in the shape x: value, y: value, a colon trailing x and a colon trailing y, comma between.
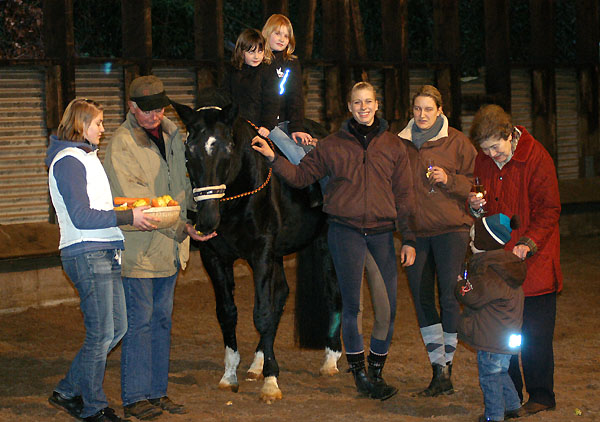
x: 36, y: 347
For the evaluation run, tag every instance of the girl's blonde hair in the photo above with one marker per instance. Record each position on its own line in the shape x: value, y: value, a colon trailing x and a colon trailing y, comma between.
x: 248, y: 40
x: 77, y: 118
x: 272, y: 24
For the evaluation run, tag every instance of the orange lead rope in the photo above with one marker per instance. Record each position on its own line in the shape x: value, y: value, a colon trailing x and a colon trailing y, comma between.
x: 241, y: 195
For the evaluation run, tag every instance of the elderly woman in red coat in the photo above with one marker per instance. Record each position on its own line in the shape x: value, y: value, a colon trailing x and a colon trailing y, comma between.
x: 519, y: 177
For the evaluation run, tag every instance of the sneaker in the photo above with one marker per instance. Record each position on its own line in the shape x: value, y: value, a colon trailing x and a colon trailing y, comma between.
x: 142, y: 410
x: 72, y: 405
x: 105, y: 415
x: 168, y: 405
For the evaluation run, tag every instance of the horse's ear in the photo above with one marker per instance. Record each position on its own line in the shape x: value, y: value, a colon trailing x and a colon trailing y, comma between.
x: 230, y: 112
x: 186, y: 113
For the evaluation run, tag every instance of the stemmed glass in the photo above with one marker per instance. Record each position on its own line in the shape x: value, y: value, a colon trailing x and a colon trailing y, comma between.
x: 429, y: 172
x: 480, y: 192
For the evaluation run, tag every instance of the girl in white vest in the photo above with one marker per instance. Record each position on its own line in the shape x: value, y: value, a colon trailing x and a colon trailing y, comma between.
x: 90, y: 247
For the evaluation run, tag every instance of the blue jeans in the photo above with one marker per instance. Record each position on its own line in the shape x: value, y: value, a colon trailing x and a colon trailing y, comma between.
x: 499, y: 394
x: 293, y: 152
x: 97, y: 278
x: 348, y: 248
x: 147, y: 344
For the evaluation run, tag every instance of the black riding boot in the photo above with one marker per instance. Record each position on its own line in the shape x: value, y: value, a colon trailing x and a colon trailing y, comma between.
x: 381, y: 390
x: 440, y: 382
x: 356, y: 361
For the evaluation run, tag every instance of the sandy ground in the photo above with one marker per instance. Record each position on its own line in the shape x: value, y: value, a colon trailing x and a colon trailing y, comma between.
x: 36, y: 347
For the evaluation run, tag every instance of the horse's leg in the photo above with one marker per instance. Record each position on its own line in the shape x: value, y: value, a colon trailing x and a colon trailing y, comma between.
x: 333, y: 348
x: 333, y: 300
x: 255, y: 372
x: 271, y: 291
x: 221, y: 276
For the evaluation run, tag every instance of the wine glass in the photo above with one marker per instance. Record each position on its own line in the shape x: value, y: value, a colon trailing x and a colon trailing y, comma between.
x: 429, y: 172
x: 480, y: 192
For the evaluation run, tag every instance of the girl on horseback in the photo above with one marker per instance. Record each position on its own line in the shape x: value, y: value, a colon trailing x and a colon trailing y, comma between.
x: 286, y: 117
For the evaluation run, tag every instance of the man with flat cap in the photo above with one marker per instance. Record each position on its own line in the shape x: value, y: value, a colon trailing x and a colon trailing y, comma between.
x: 146, y: 159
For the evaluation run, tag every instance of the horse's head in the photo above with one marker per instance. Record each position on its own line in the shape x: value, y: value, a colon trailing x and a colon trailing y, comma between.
x: 209, y: 153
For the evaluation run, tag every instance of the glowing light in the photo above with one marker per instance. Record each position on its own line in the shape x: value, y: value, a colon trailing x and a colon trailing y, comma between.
x: 107, y: 68
x: 283, y: 81
x: 514, y: 340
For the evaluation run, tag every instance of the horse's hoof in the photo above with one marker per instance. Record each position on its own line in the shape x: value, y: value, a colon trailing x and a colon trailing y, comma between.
x: 253, y: 376
x: 234, y: 388
x: 329, y: 371
x: 270, y: 391
x: 329, y: 367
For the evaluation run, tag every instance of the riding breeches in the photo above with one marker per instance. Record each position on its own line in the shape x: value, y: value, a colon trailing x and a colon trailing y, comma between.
x: 349, y: 248
x: 442, y: 255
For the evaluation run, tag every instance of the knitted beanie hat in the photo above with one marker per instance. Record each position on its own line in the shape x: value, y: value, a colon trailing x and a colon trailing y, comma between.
x: 493, y: 232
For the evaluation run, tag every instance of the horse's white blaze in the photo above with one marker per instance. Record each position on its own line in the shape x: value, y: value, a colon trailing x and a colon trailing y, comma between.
x: 255, y: 370
x: 270, y: 390
x: 209, y: 146
x: 329, y: 366
x: 232, y: 361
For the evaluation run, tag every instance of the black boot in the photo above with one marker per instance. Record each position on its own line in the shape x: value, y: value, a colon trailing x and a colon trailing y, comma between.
x: 440, y: 382
x: 381, y: 390
x: 356, y: 361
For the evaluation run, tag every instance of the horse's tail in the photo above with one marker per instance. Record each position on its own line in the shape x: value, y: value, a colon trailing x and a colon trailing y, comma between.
x: 317, y: 297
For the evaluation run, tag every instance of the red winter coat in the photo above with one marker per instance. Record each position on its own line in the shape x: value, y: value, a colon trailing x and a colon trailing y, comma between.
x: 527, y: 186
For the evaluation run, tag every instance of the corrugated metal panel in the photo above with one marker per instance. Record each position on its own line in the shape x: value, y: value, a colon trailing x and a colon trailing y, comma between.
x: 23, y: 141
x: 520, y: 103
x: 104, y: 84
x: 180, y: 86
x: 314, y: 101
x: 418, y: 78
x: 566, y: 124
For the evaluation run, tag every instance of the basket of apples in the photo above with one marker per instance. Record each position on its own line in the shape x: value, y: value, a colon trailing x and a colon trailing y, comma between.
x: 163, y: 207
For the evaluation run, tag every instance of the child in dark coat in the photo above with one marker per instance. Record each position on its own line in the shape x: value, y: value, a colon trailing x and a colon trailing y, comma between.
x: 493, y: 312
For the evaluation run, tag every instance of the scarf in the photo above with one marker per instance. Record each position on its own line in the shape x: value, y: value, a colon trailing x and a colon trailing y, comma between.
x: 419, y: 137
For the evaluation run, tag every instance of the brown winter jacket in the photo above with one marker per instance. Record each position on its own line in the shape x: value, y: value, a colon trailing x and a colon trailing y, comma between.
x: 493, y: 301
x: 444, y: 210
x: 368, y: 188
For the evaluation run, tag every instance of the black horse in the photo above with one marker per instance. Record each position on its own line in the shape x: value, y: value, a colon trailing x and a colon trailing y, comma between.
x: 259, y: 219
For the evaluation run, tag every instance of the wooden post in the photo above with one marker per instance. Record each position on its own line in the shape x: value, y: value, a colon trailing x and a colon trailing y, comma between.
x: 336, y: 46
x: 137, y: 36
x: 209, y: 41
x: 358, y: 31
x: 394, y: 25
x: 497, y: 51
x: 446, y: 33
x: 60, y: 48
x: 543, y: 77
x: 305, y: 32
x: 588, y: 75
x: 274, y: 6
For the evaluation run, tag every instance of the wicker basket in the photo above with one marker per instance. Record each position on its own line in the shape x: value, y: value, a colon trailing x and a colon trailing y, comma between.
x: 168, y: 216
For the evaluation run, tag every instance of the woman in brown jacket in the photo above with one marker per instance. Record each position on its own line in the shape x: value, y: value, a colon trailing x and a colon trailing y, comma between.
x: 442, y: 160
x: 367, y: 198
